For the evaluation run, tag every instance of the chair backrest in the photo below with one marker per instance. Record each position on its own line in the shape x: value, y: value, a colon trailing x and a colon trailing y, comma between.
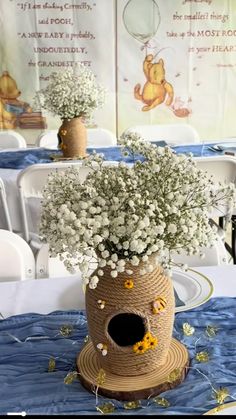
x: 52, y: 267
x: 173, y: 134
x: 48, y: 267
x: 30, y: 183
x: 16, y: 258
x: 215, y: 255
x: 97, y: 137
x: 47, y: 139
x: 11, y: 139
x: 4, y: 206
x: 222, y: 169
x: 101, y: 137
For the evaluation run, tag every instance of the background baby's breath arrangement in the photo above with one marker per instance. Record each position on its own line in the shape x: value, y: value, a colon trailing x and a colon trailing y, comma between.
x: 72, y: 93
x: 126, y: 214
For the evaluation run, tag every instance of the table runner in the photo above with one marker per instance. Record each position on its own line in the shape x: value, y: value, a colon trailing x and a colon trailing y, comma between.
x: 23, y: 158
x: 29, y: 341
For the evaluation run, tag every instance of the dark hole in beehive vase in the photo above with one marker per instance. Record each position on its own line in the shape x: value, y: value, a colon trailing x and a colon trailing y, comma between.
x: 126, y: 329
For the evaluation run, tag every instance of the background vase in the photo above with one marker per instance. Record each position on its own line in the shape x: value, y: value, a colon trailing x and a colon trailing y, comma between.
x: 73, y: 138
x: 119, y: 317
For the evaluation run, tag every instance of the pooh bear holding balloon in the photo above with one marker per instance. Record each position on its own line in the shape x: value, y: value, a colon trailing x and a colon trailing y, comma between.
x: 156, y: 89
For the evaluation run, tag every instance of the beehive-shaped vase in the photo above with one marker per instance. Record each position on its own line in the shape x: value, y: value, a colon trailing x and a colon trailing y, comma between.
x: 130, y: 320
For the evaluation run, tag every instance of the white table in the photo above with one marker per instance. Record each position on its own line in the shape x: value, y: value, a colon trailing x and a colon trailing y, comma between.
x: 46, y: 295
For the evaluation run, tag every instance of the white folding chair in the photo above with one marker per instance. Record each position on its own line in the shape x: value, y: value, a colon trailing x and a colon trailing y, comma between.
x: 47, y: 139
x: 5, y: 206
x: 16, y: 258
x: 173, y: 134
x: 215, y: 255
x: 11, y: 139
x: 101, y: 137
x: 97, y: 137
x: 30, y: 183
x: 222, y: 169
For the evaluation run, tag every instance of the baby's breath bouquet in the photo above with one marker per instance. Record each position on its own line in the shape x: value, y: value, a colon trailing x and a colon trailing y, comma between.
x: 72, y: 93
x: 130, y: 214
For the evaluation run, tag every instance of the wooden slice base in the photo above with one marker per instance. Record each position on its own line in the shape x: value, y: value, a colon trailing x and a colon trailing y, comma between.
x: 137, y: 387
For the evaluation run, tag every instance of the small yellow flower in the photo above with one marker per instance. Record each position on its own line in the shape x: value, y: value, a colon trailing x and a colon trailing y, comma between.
x: 70, y: 377
x: 106, y: 408
x: 147, y: 337
x: 63, y: 132
x: 150, y: 340
x: 160, y: 401
x: 202, y: 356
x: 101, y: 377
x: 153, y: 343
x: 211, y: 331
x: 132, y: 405
x: 51, y: 365
x: 128, y: 284
x: 221, y: 394
x: 174, y: 375
x: 140, y: 347
x: 188, y: 329
x: 66, y: 330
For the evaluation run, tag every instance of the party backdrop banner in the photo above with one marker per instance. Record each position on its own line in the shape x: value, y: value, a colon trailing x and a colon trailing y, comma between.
x: 177, y: 64
x: 161, y: 61
x: 39, y: 37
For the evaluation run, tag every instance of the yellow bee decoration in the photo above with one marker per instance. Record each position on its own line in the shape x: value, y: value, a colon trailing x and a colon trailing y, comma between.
x: 159, y: 305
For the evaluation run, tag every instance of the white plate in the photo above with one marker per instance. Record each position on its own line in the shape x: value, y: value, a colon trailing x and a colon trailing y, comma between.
x: 192, y: 287
x: 224, y: 409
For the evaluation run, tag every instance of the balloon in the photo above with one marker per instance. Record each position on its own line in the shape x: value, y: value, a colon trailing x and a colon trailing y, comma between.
x: 141, y: 19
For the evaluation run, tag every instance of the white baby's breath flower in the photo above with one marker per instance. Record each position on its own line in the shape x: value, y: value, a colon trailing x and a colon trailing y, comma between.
x: 135, y: 261
x: 114, y: 274
x: 105, y: 254
x: 102, y: 263
x: 125, y: 215
x: 71, y: 93
x: 114, y: 257
x: 129, y: 271
x: 172, y: 228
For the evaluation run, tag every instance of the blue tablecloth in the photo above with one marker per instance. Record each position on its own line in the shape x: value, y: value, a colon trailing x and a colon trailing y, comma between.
x: 25, y: 157
x: 28, y: 342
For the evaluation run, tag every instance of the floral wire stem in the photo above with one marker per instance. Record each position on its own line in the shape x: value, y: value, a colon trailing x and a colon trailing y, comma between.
x: 204, y: 375
x: 214, y: 390
x: 95, y: 391
x: 26, y: 339
x: 197, y: 343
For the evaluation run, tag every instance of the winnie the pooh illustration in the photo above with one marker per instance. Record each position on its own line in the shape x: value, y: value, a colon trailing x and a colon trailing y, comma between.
x: 156, y: 89
x: 7, y: 119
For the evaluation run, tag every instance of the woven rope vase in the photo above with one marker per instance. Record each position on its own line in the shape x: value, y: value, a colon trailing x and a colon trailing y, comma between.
x: 73, y: 138
x: 125, y: 314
